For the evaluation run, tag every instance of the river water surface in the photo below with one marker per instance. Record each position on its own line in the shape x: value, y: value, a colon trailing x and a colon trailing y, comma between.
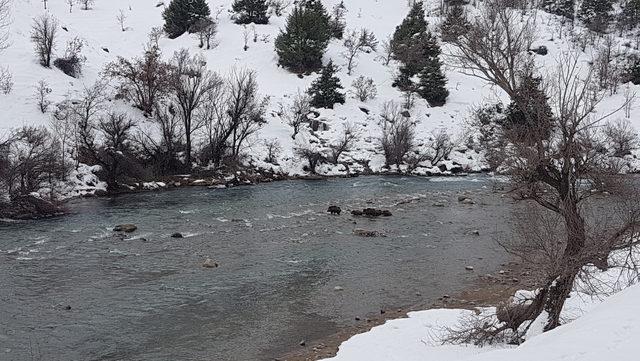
x: 146, y: 296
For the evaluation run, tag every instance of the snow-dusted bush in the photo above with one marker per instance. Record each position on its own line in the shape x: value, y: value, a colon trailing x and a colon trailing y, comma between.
x: 398, y: 134
x: 344, y: 144
x: 312, y: 155
x: 274, y: 149
x: 6, y: 80
x: 621, y: 137
x: 364, y: 88
x: 42, y: 92
x: 297, y: 113
x: 71, y: 62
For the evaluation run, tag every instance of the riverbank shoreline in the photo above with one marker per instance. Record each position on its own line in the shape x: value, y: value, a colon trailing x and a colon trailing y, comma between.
x: 486, y: 291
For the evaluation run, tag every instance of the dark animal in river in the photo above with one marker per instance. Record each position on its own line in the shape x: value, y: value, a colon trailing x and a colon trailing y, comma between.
x: 334, y: 210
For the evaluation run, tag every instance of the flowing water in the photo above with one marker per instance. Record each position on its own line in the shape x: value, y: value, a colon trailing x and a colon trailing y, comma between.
x: 71, y: 289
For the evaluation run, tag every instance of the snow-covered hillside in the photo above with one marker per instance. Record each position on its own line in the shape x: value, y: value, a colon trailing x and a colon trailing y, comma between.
x: 602, y: 329
x: 105, y: 41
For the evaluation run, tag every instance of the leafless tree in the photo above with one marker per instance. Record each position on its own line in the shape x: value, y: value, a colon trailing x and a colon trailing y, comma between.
x: 278, y: 7
x: 72, y: 61
x: 312, y: 155
x: 71, y: 3
x: 190, y: 84
x: 387, y: 51
x: 122, y: 18
x: 495, y: 47
x: 107, y: 142
x: 161, y: 144
x: 344, y: 144
x: 63, y: 126
x: 440, y: 146
x: 355, y: 43
x: 297, y: 114
x: 364, y: 88
x: 232, y: 115
x: 33, y: 162
x: 561, y: 177
x: 206, y: 29
x: 155, y: 34
x: 273, y: 150
x: 42, y: 95
x: 142, y: 80
x: 43, y: 36
x: 398, y: 134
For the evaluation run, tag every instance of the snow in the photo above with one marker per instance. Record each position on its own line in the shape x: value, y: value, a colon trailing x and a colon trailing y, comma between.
x: 601, y: 327
x: 100, y: 30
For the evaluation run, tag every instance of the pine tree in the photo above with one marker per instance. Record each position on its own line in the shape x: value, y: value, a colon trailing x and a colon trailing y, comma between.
x: 529, y: 114
x: 415, y: 23
x: 324, y: 91
x: 417, y: 55
x: 455, y: 24
x: 251, y: 11
x: 596, y: 14
x: 180, y: 15
x: 301, y: 45
x: 337, y: 23
x: 432, y: 85
x: 630, y: 16
x: 564, y: 8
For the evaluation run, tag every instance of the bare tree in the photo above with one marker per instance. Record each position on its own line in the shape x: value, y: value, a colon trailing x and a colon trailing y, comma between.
x: 621, y: 137
x: 495, y: 47
x: 355, y: 43
x: 297, y: 114
x: 71, y: 3
x: 562, y: 175
x: 122, y: 18
x: 142, y: 80
x: 273, y: 150
x: 42, y: 95
x: 162, y: 151
x: 63, y: 126
x: 190, y: 85
x: 344, y: 144
x: 206, y: 29
x: 387, y: 51
x: 278, y: 7
x: 398, y: 134
x: 440, y: 146
x: 312, y: 155
x: 6, y: 80
x: 43, y: 36
x: 364, y: 88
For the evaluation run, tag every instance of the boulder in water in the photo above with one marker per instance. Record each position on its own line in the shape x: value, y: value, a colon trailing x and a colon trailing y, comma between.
x: 209, y: 263
x: 126, y: 228
x: 177, y: 235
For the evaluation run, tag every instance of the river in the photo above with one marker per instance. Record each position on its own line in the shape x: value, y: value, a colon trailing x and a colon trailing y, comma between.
x: 71, y: 289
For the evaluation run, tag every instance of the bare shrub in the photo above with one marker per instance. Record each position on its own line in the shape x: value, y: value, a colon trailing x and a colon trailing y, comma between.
x: 440, y: 146
x: 71, y: 62
x: 278, y: 7
x: 43, y: 36
x: 33, y: 162
x: 6, y: 80
x: 398, y: 134
x: 161, y: 144
x: 42, y: 95
x: 312, y: 155
x: 344, y: 144
x: 273, y: 150
x: 86, y: 4
x: 122, y: 20
x: 621, y: 137
x: 364, y: 88
x: 297, y: 114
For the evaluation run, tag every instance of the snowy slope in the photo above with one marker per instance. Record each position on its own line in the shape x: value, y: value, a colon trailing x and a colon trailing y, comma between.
x: 100, y: 29
x: 605, y: 331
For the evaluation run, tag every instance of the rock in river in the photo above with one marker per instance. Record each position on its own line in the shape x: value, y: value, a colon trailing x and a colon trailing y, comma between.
x: 127, y: 228
x: 209, y: 263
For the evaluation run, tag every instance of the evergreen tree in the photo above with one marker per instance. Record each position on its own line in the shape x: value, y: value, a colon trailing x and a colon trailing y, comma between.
x: 630, y: 16
x: 418, y: 53
x: 415, y: 23
x: 455, y: 24
x: 251, y: 11
x: 301, y: 45
x: 324, y: 91
x: 180, y: 15
x: 529, y: 114
x: 564, y: 8
x: 596, y: 14
x: 337, y: 23
x: 432, y: 86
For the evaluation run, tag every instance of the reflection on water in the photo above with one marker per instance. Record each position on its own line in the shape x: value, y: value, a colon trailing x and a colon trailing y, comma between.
x: 146, y: 296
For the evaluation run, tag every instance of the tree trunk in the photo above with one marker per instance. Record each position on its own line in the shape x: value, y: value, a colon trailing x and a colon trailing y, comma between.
x: 558, y: 294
